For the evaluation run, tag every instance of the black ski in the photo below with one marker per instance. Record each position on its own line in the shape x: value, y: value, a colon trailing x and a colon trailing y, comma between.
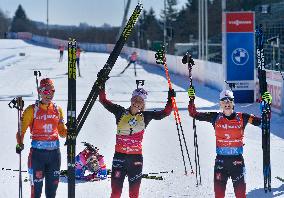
x: 71, y: 117
x: 64, y: 173
x: 265, y: 109
x: 108, y: 66
x: 280, y: 178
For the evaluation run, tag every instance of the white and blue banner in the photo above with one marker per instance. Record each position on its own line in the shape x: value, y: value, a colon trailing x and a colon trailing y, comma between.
x: 240, y: 54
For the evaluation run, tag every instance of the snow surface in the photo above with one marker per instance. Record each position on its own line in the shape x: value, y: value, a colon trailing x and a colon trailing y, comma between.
x: 160, y: 147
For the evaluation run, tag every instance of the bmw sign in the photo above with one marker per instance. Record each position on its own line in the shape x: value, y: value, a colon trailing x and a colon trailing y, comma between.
x: 240, y: 56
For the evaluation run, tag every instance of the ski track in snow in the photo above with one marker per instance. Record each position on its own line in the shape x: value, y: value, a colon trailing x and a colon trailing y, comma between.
x: 160, y: 147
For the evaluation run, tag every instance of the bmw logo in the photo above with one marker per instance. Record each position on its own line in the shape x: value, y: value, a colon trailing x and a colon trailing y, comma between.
x: 132, y: 122
x: 240, y: 56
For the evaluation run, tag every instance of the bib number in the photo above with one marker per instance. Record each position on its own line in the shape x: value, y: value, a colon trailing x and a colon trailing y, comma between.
x: 47, y: 128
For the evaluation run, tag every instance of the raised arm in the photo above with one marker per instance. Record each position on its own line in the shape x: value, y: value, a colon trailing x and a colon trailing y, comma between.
x: 158, y: 115
x: 201, y: 116
x: 111, y: 107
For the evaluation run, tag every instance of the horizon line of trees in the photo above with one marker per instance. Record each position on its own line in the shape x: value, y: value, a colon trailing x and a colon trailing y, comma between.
x: 182, y: 25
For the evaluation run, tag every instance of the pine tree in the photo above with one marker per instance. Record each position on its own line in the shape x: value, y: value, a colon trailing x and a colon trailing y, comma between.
x: 20, y: 22
x: 4, y: 23
x: 150, y: 28
x: 154, y: 29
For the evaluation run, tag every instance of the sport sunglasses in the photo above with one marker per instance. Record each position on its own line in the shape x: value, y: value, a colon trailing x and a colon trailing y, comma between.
x: 47, y: 92
x: 227, y: 99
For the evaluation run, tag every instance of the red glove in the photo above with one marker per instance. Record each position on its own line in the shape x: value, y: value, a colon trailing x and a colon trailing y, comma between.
x: 192, y: 110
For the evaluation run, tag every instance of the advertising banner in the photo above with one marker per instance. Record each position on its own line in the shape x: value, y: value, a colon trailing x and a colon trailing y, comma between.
x: 240, y: 54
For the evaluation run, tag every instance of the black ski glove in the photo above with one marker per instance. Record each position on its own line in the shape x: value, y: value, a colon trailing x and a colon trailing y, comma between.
x: 171, y: 93
x: 19, y: 148
x: 102, y: 77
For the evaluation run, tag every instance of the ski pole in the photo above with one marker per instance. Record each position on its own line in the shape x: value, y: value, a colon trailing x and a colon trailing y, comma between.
x: 161, y: 59
x: 18, y: 104
x: 37, y: 74
x: 187, y: 59
x: 161, y: 172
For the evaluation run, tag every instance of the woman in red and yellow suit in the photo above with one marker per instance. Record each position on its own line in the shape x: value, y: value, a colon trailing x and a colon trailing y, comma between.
x: 46, y: 123
x: 229, y: 131
x: 131, y: 124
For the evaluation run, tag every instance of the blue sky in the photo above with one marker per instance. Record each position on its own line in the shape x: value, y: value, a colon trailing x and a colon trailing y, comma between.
x: 93, y: 12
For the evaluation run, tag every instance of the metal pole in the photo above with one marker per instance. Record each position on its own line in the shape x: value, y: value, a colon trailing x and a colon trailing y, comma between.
x: 165, y: 23
x: 47, y: 33
x: 199, y: 29
x: 124, y: 19
x: 224, y: 41
x: 273, y: 57
x: 278, y: 41
x: 206, y: 30
x: 202, y: 29
x: 223, y: 5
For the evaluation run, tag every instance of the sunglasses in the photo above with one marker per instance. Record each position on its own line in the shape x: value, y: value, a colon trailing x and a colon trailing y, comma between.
x: 227, y: 99
x: 47, y: 92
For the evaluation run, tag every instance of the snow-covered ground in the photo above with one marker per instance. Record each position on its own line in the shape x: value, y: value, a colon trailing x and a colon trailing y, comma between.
x: 161, y: 147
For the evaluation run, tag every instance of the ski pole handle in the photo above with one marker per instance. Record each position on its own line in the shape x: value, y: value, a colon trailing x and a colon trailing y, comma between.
x: 12, y: 102
x: 187, y: 59
x: 16, y: 103
x: 231, y: 85
x: 160, y: 56
x: 37, y: 74
x: 141, y: 82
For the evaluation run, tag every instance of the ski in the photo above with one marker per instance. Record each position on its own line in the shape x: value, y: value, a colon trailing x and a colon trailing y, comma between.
x: 64, y: 173
x: 108, y: 66
x: 71, y: 117
x: 265, y: 109
x: 280, y: 179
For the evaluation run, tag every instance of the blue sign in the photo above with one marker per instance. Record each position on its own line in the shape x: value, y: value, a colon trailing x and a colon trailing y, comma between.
x: 240, y: 65
x: 240, y: 56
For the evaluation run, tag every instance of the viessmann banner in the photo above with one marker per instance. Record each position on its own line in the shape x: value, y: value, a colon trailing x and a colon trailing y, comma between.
x: 240, y: 55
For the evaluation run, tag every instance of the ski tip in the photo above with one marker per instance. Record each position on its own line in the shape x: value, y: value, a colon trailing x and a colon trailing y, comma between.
x: 139, y: 5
